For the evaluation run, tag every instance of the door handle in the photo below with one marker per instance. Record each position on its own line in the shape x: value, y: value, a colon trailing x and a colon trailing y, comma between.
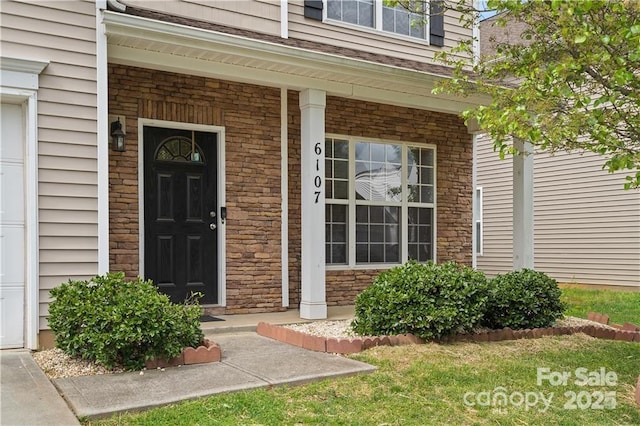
x: 212, y: 226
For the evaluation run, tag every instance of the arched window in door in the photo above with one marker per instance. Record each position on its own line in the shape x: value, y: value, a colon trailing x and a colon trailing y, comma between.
x: 179, y: 149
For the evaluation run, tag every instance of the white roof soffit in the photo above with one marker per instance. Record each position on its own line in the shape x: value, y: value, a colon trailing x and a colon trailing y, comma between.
x: 148, y: 43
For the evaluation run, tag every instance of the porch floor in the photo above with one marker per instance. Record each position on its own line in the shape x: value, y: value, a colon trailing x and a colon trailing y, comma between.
x: 249, y: 322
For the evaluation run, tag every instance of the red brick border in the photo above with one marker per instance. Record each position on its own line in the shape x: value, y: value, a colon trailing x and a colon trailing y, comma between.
x: 358, y: 344
x: 208, y: 352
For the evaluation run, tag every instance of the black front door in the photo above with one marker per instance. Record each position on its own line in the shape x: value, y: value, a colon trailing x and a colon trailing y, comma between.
x: 180, y: 212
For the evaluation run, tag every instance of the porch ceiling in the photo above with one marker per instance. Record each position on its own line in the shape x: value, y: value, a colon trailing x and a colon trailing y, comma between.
x: 172, y: 47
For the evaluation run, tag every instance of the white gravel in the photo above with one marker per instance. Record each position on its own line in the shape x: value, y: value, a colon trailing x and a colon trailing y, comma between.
x: 342, y: 329
x: 55, y: 363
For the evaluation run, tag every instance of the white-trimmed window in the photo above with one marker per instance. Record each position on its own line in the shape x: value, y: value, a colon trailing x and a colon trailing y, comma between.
x: 380, y: 201
x: 374, y: 14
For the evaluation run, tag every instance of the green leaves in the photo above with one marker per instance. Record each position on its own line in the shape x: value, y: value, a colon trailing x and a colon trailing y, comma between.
x: 569, y: 81
x: 523, y: 299
x: 117, y: 322
x: 427, y: 300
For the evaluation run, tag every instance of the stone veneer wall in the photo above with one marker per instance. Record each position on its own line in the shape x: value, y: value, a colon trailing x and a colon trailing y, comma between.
x: 454, y: 180
x: 251, y: 116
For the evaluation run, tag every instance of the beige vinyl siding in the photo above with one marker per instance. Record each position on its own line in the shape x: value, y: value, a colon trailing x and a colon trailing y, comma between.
x: 587, y: 227
x: 63, y: 33
x: 369, y: 39
x: 495, y: 176
x: 255, y: 15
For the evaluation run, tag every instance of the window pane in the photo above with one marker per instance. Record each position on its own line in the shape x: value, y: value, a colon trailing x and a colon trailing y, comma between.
x: 377, y: 152
x: 426, y: 175
x: 334, y: 9
x: 376, y: 233
x: 349, y: 11
x: 362, y: 253
x: 341, y: 169
x: 341, y: 190
x: 420, y: 234
x: 339, y: 254
x: 376, y: 253
x: 378, y: 172
x: 392, y: 253
x: 336, y: 233
x: 362, y: 233
x: 426, y: 194
x: 378, y: 238
x: 387, y: 19
x: 400, y: 20
x: 339, y: 213
x: 365, y: 13
x: 336, y: 170
x: 426, y: 157
x: 341, y: 149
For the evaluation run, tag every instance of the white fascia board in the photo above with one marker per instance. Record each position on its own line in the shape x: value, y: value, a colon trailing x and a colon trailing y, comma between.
x: 410, y: 100
x: 186, y: 36
x: 165, y: 61
x: 183, y: 35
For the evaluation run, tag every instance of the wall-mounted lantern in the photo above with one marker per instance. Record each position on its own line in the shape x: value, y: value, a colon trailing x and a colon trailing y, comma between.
x: 117, y: 136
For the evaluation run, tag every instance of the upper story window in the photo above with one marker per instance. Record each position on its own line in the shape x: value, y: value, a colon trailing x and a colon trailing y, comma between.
x: 374, y: 14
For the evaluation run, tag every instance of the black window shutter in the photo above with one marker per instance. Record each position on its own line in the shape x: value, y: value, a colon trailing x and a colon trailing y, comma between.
x: 436, y: 23
x: 313, y: 9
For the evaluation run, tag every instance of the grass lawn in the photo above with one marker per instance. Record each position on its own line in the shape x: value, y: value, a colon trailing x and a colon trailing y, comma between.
x: 427, y: 384
x: 620, y: 306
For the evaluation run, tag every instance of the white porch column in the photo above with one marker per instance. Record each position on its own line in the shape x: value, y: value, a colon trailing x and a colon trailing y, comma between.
x: 313, y: 304
x: 523, y: 206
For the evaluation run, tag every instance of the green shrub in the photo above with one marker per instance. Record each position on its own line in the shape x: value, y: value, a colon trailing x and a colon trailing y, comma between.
x: 523, y: 299
x: 117, y: 322
x: 428, y: 300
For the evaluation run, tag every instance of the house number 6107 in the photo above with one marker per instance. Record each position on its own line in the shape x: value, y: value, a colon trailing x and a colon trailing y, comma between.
x: 317, y: 180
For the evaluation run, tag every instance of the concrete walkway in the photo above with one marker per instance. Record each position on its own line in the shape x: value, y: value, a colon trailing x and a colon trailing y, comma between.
x: 27, y: 397
x: 248, y: 361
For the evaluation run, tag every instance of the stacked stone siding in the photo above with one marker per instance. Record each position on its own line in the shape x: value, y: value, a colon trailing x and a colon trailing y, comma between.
x: 251, y: 117
x: 454, y: 180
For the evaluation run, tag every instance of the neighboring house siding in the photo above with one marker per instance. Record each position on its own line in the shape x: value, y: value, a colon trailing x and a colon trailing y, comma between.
x: 370, y: 40
x: 63, y: 33
x: 587, y: 227
x: 255, y: 15
x: 495, y: 176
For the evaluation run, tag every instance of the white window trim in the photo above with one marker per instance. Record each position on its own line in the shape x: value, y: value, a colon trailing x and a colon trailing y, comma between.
x: 222, y: 229
x: 478, y: 222
x: 404, y: 205
x: 377, y: 29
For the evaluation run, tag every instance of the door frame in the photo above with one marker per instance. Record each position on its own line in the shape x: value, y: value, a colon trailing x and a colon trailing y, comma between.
x: 27, y: 99
x: 221, y: 202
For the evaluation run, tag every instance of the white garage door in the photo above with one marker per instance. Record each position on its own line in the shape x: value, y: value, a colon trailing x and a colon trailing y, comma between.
x: 12, y: 227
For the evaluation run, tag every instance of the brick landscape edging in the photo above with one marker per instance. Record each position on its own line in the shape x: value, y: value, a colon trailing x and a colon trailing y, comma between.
x: 208, y: 352
x: 355, y: 345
